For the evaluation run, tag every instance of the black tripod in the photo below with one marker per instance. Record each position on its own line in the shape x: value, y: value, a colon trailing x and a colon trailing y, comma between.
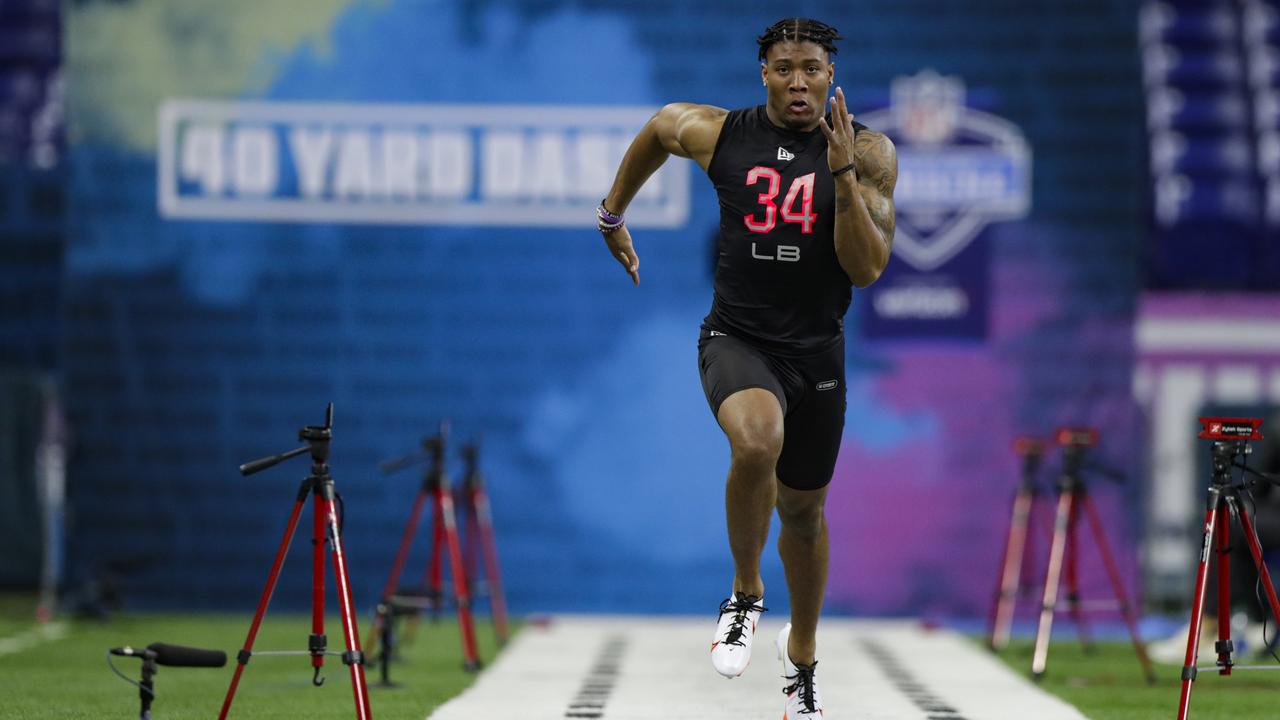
x: 1231, y: 440
x: 325, y: 531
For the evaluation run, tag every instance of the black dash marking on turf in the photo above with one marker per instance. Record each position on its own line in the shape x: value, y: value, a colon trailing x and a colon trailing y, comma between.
x: 596, y: 687
x: 934, y: 707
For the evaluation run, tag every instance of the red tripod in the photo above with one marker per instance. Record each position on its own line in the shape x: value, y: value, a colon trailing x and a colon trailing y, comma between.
x: 435, y: 487
x: 1231, y: 438
x: 477, y: 523
x: 1010, y: 587
x: 325, y: 531
x: 1073, y: 496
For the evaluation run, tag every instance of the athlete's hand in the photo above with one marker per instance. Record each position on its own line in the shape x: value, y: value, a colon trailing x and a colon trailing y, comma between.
x: 619, y: 242
x: 839, y: 134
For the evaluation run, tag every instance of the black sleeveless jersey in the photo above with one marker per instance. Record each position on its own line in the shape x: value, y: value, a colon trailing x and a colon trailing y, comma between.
x: 778, y: 284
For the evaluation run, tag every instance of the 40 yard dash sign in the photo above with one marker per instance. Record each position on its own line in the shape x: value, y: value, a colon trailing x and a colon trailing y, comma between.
x: 540, y: 165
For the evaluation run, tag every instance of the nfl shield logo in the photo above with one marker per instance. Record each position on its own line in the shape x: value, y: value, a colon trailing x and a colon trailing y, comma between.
x: 926, y: 107
x: 959, y: 169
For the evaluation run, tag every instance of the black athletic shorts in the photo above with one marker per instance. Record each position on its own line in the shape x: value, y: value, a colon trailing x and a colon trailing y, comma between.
x: 811, y: 391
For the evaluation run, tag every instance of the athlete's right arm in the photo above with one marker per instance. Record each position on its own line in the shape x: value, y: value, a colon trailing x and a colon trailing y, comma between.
x: 682, y: 129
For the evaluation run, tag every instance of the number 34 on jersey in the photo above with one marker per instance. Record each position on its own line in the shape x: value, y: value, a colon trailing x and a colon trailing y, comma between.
x: 800, y: 193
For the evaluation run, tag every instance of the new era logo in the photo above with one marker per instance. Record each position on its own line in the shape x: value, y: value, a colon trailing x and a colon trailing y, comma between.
x: 784, y: 155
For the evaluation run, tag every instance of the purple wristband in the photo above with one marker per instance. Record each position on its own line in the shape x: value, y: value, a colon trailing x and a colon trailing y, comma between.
x: 607, y: 217
x: 607, y: 221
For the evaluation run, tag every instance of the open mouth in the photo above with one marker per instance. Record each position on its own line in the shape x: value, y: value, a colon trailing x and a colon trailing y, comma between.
x: 798, y: 106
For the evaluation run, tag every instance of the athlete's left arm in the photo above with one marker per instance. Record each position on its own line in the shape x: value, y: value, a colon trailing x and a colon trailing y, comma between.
x: 865, y: 219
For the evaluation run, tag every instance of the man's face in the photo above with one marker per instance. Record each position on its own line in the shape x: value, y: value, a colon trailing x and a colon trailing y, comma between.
x: 798, y: 77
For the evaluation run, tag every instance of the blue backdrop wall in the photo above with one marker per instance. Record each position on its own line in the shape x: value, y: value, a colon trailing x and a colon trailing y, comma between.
x: 196, y: 343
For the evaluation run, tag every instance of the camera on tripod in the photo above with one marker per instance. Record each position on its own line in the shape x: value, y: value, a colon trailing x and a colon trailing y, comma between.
x: 1224, y: 507
x: 1230, y: 438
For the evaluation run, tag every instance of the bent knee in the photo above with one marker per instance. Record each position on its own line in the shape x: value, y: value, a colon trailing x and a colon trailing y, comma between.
x: 757, y: 447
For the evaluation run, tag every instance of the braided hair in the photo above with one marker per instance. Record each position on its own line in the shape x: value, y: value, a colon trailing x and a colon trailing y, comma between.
x: 799, y: 30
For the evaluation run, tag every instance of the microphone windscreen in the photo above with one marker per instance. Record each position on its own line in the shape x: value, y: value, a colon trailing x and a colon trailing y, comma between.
x: 180, y: 656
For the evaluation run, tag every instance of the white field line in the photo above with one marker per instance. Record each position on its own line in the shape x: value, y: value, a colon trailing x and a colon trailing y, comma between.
x: 640, y: 668
x: 32, y: 637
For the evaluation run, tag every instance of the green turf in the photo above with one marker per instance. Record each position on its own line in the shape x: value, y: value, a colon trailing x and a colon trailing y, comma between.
x: 69, y: 678
x: 1107, y: 684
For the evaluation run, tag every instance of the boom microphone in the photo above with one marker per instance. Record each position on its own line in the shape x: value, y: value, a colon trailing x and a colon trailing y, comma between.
x: 175, y: 655
x: 182, y: 656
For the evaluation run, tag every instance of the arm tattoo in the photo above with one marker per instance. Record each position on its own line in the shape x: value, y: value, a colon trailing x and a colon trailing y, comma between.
x: 882, y: 214
x: 877, y: 175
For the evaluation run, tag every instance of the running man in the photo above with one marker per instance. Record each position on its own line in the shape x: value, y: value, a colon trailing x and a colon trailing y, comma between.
x: 806, y: 211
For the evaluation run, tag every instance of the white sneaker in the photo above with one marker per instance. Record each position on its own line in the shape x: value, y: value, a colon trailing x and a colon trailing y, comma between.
x: 804, y: 701
x: 731, y: 648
